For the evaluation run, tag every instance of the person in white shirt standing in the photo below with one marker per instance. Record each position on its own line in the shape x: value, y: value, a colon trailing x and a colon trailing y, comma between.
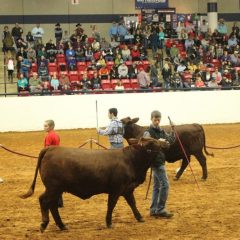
x: 10, y: 69
x: 37, y: 33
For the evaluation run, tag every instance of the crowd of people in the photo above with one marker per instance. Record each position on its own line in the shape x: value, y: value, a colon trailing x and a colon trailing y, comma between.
x: 197, y: 58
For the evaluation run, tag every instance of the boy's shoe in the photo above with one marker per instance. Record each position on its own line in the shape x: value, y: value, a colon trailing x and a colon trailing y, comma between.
x: 164, y: 214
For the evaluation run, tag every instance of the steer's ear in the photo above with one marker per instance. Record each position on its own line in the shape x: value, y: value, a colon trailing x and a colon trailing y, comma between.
x: 132, y: 141
x: 126, y: 120
x: 134, y: 120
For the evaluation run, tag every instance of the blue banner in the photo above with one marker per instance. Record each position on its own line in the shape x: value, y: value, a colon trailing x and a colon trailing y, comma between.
x: 151, y: 4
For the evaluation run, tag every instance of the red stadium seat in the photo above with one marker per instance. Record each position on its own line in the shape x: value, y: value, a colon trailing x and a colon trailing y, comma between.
x: 128, y: 63
x: 114, y: 83
x: 52, y: 67
x: 90, y: 74
x: 62, y: 66
x: 106, y: 84
x: 216, y: 63
x: 183, y: 54
x: 134, y: 84
x: 146, y: 65
x: 73, y: 76
x: 34, y: 67
x: 60, y: 58
x: 81, y: 66
x: 126, y: 83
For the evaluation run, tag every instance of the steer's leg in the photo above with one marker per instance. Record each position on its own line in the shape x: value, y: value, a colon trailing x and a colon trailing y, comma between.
x: 182, y: 168
x: 55, y: 213
x: 202, y: 160
x: 44, y: 210
x: 132, y: 203
x: 112, y: 201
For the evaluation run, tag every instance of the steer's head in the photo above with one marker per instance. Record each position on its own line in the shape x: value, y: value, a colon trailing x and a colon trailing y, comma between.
x: 150, y: 144
x: 131, y: 130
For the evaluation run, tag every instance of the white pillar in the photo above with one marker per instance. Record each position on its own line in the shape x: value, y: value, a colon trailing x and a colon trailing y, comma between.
x: 212, y: 14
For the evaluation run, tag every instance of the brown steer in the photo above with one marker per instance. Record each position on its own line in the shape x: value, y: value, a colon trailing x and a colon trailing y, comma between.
x: 85, y: 173
x: 192, y: 137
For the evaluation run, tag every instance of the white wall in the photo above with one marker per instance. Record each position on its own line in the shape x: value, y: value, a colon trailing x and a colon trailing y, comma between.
x: 79, y: 111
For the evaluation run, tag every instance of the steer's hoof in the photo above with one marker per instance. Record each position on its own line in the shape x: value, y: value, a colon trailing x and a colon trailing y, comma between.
x: 141, y: 220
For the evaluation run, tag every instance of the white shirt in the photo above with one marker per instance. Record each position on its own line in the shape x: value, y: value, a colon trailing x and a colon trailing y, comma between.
x: 10, y: 65
x: 37, y: 32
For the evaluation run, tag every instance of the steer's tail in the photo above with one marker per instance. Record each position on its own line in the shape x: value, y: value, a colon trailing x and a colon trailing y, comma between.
x: 31, y: 189
x: 204, y: 143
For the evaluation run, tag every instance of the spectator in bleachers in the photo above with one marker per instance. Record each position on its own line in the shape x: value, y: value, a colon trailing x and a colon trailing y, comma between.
x: 232, y: 42
x: 31, y: 54
x: 219, y: 51
x: 118, y: 60
x: 37, y: 33
x: 135, y: 53
x: 54, y: 81
x: 153, y: 38
x: 217, y: 37
x: 205, y: 43
x: 41, y: 54
x: 206, y: 76
x: 29, y: 39
x: 122, y: 70
x: 104, y: 44
x: 114, y: 43
x: 43, y: 60
x: 174, y: 51
x: 119, y: 87
x: 213, y: 83
x: 122, y: 32
x: 8, y: 44
x: 132, y: 71
x: 235, y: 28
x: 66, y: 37
x: 161, y: 37
x: 108, y: 54
x: 95, y: 45
x: 45, y: 84
x: 10, y: 69
x: 95, y: 81
x: 166, y: 74
x: 203, y: 28
x: 89, y: 54
x: 222, y: 28
x: 199, y: 82
x: 226, y: 82
x: 58, y: 32
x: 25, y: 67
x: 126, y: 54
x: 95, y: 34
x: 101, y: 62
x: 17, y: 32
x: 137, y: 37
x: 50, y: 48
x: 217, y: 76
x: 85, y: 82
x: 154, y: 75
x: 113, y: 31
x: 72, y: 63
x: 234, y: 59
x: 179, y: 29
x: 104, y: 73
x: 64, y: 81
x: 177, y: 80
x: 22, y: 83
x: 189, y: 43
x: 182, y: 67
x: 79, y: 30
x: 80, y: 55
x: 35, y: 84
x: 113, y: 72
x: 70, y: 52
x: 143, y: 79
x: 43, y: 71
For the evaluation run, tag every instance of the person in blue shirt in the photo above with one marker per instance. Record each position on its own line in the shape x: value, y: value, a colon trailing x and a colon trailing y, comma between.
x: 222, y: 28
x: 161, y: 36
x: 122, y: 32
x: 25, y: 66
x: 114, y: 130
x: 70, y: 52
x: 113, y: 31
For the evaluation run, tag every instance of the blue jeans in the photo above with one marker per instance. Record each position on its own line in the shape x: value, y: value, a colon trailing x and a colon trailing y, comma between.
x: 160, y: 189
x: 116, y: 145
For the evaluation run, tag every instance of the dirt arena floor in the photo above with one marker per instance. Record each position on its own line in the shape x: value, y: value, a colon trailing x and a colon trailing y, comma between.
x: 213, y: 212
